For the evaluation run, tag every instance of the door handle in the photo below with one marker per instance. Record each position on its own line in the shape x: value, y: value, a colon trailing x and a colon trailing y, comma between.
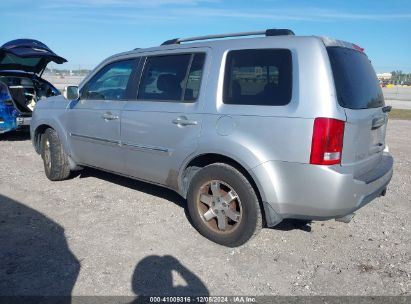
x: 109, y: 116
x: 183, y: 121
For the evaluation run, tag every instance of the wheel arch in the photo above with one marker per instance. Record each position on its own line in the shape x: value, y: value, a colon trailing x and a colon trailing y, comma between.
x: 41, y: 127
x: 38, y: 133
x: 269, y: 214
x: 200, y: 161
x: 36, y: 138
x: 197, y: 162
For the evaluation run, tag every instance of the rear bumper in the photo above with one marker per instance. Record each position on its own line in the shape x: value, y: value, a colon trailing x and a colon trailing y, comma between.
x: 306, y: 191
x: 7, y: 118
x: 23, y: 121
x: 13, y: 123
x: 10, y: 119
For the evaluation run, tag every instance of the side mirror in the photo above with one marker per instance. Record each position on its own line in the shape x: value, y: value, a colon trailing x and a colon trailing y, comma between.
x: 71, y: 93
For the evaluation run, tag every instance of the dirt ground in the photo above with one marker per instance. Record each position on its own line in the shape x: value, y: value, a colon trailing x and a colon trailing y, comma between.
x: 99, y: 234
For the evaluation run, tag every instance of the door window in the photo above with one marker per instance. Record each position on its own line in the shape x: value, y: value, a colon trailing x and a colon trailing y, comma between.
x: 172, y: 78
x: 110, y: 83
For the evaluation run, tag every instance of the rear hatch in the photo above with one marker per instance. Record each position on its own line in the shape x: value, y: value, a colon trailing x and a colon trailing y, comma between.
x: 359, y: 93
x: 27, y: 55
x: 31, y: 57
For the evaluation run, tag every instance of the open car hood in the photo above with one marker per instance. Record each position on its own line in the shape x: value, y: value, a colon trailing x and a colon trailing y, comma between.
x: 27, y: 55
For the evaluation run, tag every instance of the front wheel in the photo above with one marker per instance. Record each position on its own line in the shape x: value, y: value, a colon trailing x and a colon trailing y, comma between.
x: 55, y: 159
x: 223, y: 205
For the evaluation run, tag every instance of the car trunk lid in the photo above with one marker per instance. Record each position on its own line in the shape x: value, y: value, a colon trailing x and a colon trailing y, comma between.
x: 27, y: 55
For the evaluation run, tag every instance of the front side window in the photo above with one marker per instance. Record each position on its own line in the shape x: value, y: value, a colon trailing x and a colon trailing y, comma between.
x: 110, y: 83
x: 258, y: 77
x: 172, y: 78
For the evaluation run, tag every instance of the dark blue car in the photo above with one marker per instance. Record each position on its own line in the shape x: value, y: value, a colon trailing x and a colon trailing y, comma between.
x: 22, y: 62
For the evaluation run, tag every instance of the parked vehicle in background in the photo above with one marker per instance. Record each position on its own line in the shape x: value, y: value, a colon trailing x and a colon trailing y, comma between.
x: 250, y: 130
x: 22, y: 62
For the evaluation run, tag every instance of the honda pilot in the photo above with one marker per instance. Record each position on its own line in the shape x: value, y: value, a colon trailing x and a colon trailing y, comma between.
x: 250, y: 131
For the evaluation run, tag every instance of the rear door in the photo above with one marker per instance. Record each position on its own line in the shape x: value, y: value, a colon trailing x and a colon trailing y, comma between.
x: 161, y: 128
x: 360, y: 94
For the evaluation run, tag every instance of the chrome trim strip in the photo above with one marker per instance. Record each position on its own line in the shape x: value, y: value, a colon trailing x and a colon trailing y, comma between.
x: 107, y: 141
x: 115, y: 142
x: 145, y: 147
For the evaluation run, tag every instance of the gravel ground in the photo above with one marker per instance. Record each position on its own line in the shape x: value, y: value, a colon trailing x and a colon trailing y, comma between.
x: 99, y: 234
x: 399, y: 104
x: 397, y: 93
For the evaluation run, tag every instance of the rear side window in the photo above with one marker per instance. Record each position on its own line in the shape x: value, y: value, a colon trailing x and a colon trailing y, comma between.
x: 258, y: 77
x: 172, y: 78
x: 355, y: 80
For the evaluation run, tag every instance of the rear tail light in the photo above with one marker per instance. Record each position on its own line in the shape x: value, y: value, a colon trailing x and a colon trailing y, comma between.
x: 327, y: 143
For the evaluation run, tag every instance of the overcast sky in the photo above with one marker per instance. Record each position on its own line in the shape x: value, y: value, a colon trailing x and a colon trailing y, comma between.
x: 87, y: 31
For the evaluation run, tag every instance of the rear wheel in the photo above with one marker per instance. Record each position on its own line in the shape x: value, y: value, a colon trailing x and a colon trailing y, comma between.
x: 55, y: 159
x: 223, y: 205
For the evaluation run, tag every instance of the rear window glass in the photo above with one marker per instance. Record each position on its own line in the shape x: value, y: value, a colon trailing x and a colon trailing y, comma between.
x: 258, y: 77
x: 14, y: 60
x: 355, y: 80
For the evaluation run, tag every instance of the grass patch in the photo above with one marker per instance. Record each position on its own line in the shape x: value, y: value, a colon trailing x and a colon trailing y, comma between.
x: 400, y: 114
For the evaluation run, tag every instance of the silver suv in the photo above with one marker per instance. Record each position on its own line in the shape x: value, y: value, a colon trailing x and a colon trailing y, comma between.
x: 249, y: 130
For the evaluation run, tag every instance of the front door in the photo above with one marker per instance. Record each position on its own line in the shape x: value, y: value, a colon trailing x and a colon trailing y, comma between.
x: 94, y: 120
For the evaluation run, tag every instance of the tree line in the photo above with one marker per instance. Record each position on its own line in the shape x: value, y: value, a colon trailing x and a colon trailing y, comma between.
x: 400, y: 77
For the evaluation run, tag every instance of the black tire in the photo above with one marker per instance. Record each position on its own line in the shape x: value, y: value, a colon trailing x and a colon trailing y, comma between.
x: 250, y: 222
x: 55, y: 159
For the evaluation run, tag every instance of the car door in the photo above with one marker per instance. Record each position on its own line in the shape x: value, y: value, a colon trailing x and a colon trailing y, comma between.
x: 161, y: 128
x: 94, y: 119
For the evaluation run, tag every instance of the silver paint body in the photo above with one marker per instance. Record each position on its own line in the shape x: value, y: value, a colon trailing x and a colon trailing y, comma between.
x: 273, y: 143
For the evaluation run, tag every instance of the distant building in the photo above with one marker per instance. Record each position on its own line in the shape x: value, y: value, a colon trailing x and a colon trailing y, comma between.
x: 384, y: 76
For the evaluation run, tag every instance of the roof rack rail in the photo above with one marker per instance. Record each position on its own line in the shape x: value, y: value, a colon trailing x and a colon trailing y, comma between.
x: 268, y: 32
